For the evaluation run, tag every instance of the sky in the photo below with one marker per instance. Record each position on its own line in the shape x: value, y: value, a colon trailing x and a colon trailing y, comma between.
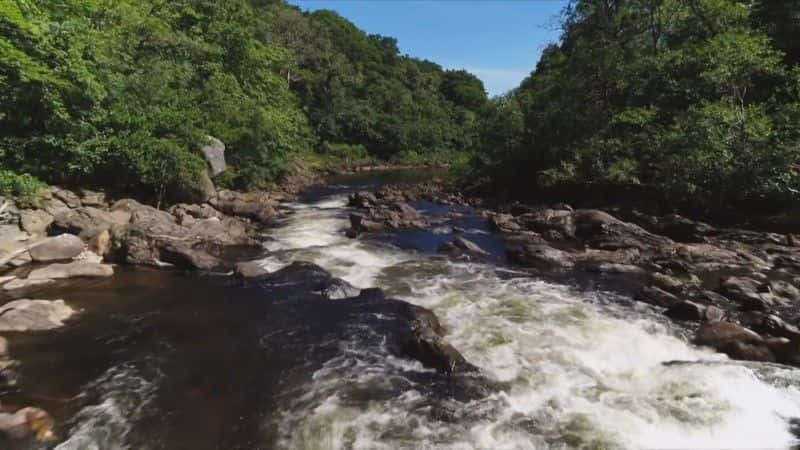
x: 500, y: 41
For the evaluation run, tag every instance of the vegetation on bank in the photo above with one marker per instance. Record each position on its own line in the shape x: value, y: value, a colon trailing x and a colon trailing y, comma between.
x: 692, y: 98
x: 696, y: 98
x: 122, y: 94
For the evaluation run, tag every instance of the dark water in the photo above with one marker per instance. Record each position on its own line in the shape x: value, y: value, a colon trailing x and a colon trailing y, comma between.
x: 173, y: 361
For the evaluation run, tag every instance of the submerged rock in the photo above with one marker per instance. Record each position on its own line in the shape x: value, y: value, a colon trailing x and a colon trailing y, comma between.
x: 460, y: 245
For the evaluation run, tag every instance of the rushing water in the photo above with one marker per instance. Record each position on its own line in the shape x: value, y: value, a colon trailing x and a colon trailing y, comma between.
x: 197, y: 367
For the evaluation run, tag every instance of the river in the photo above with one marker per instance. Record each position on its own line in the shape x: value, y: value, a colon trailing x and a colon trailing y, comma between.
x: 163, y: 360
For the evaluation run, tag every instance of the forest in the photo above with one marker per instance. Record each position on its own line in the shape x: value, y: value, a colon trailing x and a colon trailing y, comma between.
x: 694, y: 98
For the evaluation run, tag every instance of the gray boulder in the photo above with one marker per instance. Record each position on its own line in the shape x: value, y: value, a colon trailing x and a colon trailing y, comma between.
x: 65, y: 246
x: 214, y: 152
x: 542, y: 257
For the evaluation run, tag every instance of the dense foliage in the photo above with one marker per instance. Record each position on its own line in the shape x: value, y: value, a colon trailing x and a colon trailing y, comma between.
x: 695, y: 97
x: 123, y: 93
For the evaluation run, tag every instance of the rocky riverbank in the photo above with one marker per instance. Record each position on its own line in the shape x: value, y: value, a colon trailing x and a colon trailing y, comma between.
x: 738, y: 289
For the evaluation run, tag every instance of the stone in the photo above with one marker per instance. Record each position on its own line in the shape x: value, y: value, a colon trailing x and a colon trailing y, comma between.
x: 35, y: 221
x: 541, y: 257
x: 461, y: 245
x: 214, y: 152
x: 27, y: 422
x: 560, y: 221
x: 197, y: 190
x: 504, y: 222
x: 29, y: 315
x: 253, y: 205
x: 251, y: 269
x: 745, y: 291
x: 65, y: 246
x: 86, y: 222
x: 68, y: 197
x: 93, y: 198
x: 19, y: 283
x: 72, y: 270
x: 192, y: 257
x: 362, y: 199
x: 53, y: 206
x: 657, y: 296
x: 101, y: 243
x: 718, y: 334
x: 688, y: 310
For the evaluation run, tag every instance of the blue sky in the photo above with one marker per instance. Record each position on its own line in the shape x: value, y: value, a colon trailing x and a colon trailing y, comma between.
x: 498, y: 40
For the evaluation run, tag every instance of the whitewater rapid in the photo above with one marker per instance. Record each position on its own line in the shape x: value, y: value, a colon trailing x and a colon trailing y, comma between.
x: 582, y: 370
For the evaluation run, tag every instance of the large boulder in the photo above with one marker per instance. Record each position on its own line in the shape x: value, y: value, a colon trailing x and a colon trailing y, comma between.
x: 748, y: 293
x: 601, y: 230
x: 88, y: 221
x: 25, y: 315
x: 57, y: 248
x: 300, y: 278
x: 557, y: 223
x: 71, y: 270
x: 197, y: 190
x: 214, y: 152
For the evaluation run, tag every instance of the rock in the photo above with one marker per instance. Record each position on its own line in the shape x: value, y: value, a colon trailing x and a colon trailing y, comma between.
x: 87, y: 222
x: 189, y: 257
x: 541, y: 257
x: 214, y: 152
x: 65, y: 246
x: 657, y: 296
x: 719, y: 334
x: 27, y: 422
x: 426, y: 344
x: 406, y: 211
x: 682, y: 229
x: 35, y: 221
x: 68, y: 197
x: 360, y: 223
x: 25, y: 315
x: 18, y: 284
x: 461, y: 245
x: 4, y: 354
x: 745, y: 291
x: 362, y: 199
x: 687, y: 310
x: 748, y: 351
x: 504, y: 222
x: 13, y: 243
x: 601, y: 230
x: 52, y: 206
x: 251, y: 269
x: 550, y: 220
x: 71, y: 270
x: 101, y: 243
x: 253, y: 205
x: 93, y: 198
x: 299, y: 277
x: 773, y: 325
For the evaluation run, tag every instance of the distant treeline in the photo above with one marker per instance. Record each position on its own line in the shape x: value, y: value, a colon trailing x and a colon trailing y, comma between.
x: 123, y: 93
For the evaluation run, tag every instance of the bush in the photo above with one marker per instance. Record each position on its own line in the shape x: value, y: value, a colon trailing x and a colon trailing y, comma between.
x: 22, y: 186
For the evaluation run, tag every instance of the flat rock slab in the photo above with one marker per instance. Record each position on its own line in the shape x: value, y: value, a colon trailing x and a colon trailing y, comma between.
x: 26, y: 315
x: 22, y: 284
x: 65, y: 246
x: 72, y: 270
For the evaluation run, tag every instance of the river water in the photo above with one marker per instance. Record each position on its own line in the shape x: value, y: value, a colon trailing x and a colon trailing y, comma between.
x: 162, y: 360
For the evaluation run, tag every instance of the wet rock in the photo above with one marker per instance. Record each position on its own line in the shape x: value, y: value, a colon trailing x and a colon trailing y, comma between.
x: 185, y: 256
x: 62, y: 247
x: 26, y: 315
x: 72, y: 270
x: 541, y: 257
x: 504, y: 222
x: 405, y: 211
x: 214, y: 152
x: 35, y: 221
x: 299, y: 278
x: 360, y: 223
x: 748, y: 351
x: 681, y: 229
x: 601, y: 230
x: 718, y: 334
x: 19, y: 284
x: 657, y: 296
x: 549, y: 220
x: 362, y: 199
x: 745, y: 291
x: 251, y: 269
x: 27, y: 422
x: 460, y: 246
x: 688, y: 310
